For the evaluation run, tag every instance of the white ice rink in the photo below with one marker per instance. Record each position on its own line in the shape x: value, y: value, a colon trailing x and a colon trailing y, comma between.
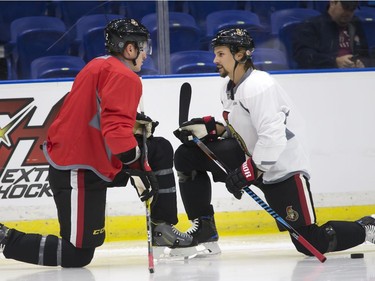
x: 263, y: 258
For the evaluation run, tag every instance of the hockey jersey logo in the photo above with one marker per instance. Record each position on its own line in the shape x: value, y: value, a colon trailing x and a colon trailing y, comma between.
x: 291, y: 215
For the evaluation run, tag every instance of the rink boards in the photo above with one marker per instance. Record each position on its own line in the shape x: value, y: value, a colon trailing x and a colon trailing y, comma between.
x: 337, y: 108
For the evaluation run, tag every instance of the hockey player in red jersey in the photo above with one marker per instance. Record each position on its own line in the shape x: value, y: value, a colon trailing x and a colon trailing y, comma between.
x: 266, y: 146
x: 92, y: 145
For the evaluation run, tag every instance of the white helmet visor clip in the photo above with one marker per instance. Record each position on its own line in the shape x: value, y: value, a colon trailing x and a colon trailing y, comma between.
x: 145, y: 46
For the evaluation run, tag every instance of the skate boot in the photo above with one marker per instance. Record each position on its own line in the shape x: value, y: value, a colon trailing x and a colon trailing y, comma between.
x: 168, y: 242
x: 204, y: 233
x: 368, y: 223
x: 4, y: 233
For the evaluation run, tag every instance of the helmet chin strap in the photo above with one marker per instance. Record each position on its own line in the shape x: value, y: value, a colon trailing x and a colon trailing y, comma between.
x: 135, y: 60
x: 236, y: 62
x: 234, y: 68
x: 243, y: 61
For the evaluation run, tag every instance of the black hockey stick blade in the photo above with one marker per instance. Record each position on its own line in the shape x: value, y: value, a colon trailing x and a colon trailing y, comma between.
x: 185, y: 98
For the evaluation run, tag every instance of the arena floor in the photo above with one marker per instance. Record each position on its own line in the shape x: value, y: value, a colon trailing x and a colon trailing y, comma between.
x: 264, y: 258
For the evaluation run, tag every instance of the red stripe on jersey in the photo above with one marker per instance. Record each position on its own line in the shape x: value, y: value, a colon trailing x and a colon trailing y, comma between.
x: 81, y: 208
x: 302, y: 198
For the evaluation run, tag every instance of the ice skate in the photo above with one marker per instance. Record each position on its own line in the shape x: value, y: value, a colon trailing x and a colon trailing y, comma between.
x: 4, y: 233
x: 368, y: 224
x: 171, y: 244
x: 205, y: 234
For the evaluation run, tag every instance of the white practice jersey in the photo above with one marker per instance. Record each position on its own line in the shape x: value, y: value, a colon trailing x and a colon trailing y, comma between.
x: 272, y: 130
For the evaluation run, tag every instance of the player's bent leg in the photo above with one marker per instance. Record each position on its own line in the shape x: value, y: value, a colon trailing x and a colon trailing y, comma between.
x: 160, y: 153
x: 42, y: 250
x: 368, y: 223
x: 75, y: 257
x: 333, y: 236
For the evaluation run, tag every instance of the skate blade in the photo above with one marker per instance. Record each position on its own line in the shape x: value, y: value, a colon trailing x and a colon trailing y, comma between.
x: 210, y: 249
x: 176, y: 254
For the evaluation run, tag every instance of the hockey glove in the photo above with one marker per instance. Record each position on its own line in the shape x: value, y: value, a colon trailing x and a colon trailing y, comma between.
x: 147, y: 122
x: 144, y: 182
x: 241, y: 177
x: 203, y: 128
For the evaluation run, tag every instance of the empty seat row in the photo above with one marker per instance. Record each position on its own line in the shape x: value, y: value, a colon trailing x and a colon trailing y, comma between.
x: 33, y: 37
x: 71, y: 11
x: 66, y: 66
x: 45, y: 36
x: 184, y: 62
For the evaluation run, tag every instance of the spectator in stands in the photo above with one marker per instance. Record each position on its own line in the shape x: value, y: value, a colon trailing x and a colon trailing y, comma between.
x: 334, y: 39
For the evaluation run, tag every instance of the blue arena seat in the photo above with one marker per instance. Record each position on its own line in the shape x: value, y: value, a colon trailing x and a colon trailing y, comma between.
x: 137, y: 11
x: 235, y: 18
x: 33, y: 37
x: 369, y: 28
x: 11, y: 10
x: 218, y: 20
x: 268, y: 59
x: 85, y: 24
x: 365, y: 13
x: 286, y: 37
x: 196, y: 61
x: 56, y: 67
x: 264, y: 9
x: 319, y: 5
x: 281, y: 17
x: 93, y: 43
x: 71, y: 11
x: 200, y: 9
x: 35, y: 22
x: 183, y: 31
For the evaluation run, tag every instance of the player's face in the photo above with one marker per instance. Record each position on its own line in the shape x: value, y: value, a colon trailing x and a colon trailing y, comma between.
x: 224, y: 60
x: 139, y: 61
x: 139, y: 55
x: 340, y: 15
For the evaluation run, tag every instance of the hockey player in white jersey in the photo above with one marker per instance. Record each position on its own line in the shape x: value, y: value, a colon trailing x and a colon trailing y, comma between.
x: 266, y: 147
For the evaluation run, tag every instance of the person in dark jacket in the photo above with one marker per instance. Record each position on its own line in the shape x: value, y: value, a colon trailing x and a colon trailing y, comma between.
x: 334, y: 39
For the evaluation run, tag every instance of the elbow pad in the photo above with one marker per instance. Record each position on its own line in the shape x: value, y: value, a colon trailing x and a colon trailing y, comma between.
x: 129, y: 156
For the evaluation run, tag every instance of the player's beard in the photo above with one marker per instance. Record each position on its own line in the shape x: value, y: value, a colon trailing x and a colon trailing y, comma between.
x: 222, y: 71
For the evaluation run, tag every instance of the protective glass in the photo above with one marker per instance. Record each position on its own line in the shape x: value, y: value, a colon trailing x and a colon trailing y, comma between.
x: 146, y: 46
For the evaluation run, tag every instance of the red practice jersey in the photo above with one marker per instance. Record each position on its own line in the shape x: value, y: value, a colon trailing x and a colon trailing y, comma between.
x: 96, y: 119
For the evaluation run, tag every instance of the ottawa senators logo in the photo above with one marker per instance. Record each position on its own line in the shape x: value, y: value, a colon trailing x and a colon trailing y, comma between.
x: 291, y: 215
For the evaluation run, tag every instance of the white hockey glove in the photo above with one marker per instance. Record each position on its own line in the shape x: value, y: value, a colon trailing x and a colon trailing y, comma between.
x: 206, y: 129
x: 144, y: 182
x: 143, y: 120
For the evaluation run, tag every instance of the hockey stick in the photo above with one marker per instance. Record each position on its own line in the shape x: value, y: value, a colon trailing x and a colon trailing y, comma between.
x: 263, y: 204
x: 146, y: 167
x: 185, y: 96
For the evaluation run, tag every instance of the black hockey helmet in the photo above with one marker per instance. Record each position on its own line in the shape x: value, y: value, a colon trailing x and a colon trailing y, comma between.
x: 234, y: 38
x: 120, y: 31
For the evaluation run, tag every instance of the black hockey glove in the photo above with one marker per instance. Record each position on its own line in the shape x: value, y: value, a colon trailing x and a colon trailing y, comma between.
x: 203, y: 128
x: 144, y: 182
x: 144, y: 120
x: 241, y: 177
